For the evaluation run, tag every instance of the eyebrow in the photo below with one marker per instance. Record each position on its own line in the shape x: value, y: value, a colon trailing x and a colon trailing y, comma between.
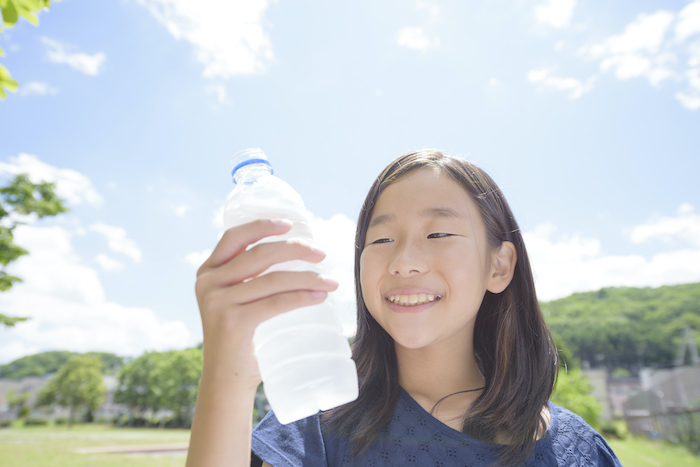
x: 427, y: 212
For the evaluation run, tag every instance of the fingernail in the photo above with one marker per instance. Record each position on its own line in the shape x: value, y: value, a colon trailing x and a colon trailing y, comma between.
x: 328, y: 281
x: 282, y: 222
x: 318, y: 251
x: 318, y: 293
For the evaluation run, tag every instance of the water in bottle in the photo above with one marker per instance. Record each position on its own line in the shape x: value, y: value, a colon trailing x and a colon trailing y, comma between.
x: 304, y: 359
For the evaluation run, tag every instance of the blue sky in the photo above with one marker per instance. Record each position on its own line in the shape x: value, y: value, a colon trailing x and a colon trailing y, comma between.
x: 585, y: 113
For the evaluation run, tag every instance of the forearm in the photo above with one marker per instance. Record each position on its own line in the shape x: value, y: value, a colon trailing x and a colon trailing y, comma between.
x: 222, y: 425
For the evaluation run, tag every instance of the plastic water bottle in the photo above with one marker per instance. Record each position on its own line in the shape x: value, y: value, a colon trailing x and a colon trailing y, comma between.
x: 303, y: 357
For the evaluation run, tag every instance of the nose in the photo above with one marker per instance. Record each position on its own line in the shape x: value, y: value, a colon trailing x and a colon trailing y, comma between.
x: 408, y: 260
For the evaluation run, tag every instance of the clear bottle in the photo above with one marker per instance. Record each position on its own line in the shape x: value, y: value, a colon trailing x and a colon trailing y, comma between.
x: 303, y: 357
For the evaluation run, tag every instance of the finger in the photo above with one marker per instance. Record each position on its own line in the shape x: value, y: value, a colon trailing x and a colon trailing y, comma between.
x: 258, y: 259
x: 266, y: 308
x: 236, y: 239
x: 282, y: 282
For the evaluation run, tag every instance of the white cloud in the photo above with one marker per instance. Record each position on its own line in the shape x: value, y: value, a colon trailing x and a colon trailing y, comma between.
x: 546, y: 79
x: 694, y: 54
x: 688, y: 21
x: 66, y: 303
x: 72, y: 186
x: 638, y: 51
x: 217, y: 218
x: 645, y: 34
x: 107, y: 263
x: 685, y: 228
x: 181, y: 209
x: 646, y: 48
x: 415, y: 38
x: 559, y: 45
x: 229, y: 36
x: 555, y: 13
x: 36, y: 88
x: 691, y: 100
x: 688, y: 101
x: 432, y: 9
x: 571, y: 263
x: 117, y: 240
x: 218, y: 90
x: 196, y: 258
x: 84, y: 63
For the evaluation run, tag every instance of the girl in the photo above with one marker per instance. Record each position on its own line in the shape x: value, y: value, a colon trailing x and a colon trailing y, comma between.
x: 455, y: 362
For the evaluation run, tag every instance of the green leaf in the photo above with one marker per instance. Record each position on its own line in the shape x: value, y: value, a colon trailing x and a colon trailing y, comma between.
x: 2, y: 52
x: 26, y: 13
x: 10, y: 321
x: 9, y: 13
x: 6, y: 81
x: 34, y: 5
x: 27, y: 197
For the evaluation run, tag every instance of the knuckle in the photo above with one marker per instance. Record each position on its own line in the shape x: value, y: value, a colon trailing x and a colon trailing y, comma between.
x: 212, y: 300
x: 201, y: 285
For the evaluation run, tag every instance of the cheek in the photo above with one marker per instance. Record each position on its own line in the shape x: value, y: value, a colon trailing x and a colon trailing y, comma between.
x: 369, y: 280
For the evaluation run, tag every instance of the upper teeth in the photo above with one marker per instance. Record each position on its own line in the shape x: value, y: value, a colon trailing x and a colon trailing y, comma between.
x: 415, y: 299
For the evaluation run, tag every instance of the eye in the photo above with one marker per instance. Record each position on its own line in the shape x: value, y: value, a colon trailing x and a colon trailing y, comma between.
x: 439, y: 235
x: 382, y: 240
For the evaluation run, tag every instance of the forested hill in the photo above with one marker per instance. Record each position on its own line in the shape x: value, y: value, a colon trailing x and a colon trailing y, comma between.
x: 49, y: 362
x: 626, y: 327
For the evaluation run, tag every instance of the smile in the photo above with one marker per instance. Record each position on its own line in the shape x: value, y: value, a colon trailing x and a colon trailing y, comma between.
x: 412, y: 300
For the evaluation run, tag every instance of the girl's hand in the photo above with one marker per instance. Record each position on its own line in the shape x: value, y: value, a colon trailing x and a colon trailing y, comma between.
x: 233, y: 300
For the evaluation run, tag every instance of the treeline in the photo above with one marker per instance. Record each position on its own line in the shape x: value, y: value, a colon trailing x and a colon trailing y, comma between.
x: 625, y: 327
x: 157, y: 388
x: 49, y: 362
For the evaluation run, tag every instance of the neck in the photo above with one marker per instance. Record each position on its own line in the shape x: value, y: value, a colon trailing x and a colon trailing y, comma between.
x: 431, y: 373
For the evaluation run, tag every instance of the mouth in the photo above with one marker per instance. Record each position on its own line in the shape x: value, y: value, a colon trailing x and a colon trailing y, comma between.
x: 413, y: 300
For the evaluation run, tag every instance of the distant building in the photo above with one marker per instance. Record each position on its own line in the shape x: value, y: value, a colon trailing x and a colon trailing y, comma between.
x: 666, y: 396
x: 33, y: 384
x: 619, y: 390
x: 29, y: 384
x: 598, y: 377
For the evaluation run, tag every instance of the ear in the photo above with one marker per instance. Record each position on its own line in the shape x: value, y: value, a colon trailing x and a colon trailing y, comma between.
x: 502, y: 268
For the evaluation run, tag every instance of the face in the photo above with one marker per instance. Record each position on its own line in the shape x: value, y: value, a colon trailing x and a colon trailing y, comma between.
x: 425, y: 267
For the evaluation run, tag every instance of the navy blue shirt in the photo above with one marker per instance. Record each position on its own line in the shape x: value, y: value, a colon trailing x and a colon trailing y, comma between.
x: 414, y: 437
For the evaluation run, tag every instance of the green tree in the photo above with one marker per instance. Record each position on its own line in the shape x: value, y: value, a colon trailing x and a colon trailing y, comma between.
x: 11, y: 12
x: 573, y: 391
x: 78, y: 384
x: 18, y: 401
x: 21, y: 197
x: 179, y: 381
x: 136, y: 387
x: 161, y: 381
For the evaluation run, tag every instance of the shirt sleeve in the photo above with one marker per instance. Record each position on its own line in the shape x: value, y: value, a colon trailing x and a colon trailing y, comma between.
x: 606, y: 456
x: 298, y: 443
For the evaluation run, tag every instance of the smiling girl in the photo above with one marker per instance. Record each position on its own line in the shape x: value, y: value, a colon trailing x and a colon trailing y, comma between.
x: 455, y: 362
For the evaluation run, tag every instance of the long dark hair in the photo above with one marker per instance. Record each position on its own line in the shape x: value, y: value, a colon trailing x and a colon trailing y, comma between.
x: 513, y: 347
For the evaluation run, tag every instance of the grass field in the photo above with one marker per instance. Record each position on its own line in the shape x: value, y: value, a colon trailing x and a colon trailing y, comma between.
x: 640, y: 452
x: 56, y: 446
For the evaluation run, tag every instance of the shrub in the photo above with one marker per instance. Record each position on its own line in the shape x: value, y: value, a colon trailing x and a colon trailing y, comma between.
x: 35, y: 422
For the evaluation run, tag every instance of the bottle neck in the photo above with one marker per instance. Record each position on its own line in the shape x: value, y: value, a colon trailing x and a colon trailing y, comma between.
x: 250, y: 173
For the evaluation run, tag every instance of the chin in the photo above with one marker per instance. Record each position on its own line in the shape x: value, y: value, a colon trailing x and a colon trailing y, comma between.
x: 411, y: 342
